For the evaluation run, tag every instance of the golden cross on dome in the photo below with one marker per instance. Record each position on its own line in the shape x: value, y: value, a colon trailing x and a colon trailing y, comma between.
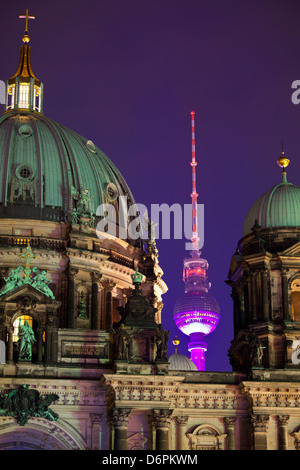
x: 27, y: 17
x: 28, y: 255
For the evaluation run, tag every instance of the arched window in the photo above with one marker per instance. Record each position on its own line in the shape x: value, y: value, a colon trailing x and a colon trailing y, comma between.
x: 295, y: 295
x: 206, y: 437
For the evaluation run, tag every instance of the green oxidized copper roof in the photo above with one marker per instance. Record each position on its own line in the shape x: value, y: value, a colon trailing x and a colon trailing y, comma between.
x: 278, y: 207
x: 41, y: 162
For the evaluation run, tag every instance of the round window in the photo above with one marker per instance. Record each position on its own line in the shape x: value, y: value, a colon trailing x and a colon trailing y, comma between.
x: 111, y: 191
x: 24, y: 173
x: 25, y: 131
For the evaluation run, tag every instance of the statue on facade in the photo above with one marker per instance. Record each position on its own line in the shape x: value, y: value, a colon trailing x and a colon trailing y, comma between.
x: 82, y: 310
x: 122, y: 343
x: 40, y: 282
x: 12, y: 281
x: 26, y: 340
x: 161, y: 342
x: 149, y: 226
x: 256, y: 350
x: 33, y: 277
x: 81, y: 214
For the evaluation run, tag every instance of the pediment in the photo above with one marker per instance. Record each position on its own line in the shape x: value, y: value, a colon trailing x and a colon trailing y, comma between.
x: 292, y: 250
x: 25, y: 290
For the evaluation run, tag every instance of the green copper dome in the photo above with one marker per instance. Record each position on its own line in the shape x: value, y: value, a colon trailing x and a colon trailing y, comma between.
x: 44, y: 166
x: 278, y: 207
x: 47, y: 171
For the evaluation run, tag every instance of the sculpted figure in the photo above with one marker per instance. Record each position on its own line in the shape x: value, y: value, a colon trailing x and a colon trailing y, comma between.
x: 26, y: 340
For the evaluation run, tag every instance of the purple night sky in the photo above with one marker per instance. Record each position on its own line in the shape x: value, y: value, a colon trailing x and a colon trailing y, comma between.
x: 126, y: 74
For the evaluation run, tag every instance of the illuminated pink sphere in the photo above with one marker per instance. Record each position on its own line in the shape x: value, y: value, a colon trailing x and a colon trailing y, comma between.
x: 196, y: 312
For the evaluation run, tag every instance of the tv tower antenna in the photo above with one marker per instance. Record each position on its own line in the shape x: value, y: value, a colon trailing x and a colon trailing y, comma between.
x: 196, y: 312
x: 194, y: 195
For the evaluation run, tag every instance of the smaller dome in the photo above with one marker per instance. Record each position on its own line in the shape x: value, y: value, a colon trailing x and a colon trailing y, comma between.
x: 276, y: 208
x: 181, y: 362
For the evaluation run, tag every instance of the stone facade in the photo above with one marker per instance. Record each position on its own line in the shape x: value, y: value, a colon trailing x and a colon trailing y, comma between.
x: 95, y: 374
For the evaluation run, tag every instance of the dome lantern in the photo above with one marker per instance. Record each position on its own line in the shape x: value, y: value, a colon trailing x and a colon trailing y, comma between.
x: 24, y: 91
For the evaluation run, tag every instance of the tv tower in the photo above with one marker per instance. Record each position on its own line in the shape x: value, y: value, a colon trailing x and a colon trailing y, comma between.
x: 196, y: 312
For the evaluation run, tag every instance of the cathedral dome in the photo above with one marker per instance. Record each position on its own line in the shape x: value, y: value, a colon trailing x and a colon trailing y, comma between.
x: 181, y: 362
x: 276, y: 208
x: 49, y: 172
x: 44, y: 165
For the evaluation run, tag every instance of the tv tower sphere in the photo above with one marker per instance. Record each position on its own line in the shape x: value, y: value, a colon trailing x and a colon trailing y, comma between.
x: 196, y: 312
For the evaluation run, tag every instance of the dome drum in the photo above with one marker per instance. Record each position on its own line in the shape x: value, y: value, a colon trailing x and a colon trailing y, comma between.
x: 272, y: 240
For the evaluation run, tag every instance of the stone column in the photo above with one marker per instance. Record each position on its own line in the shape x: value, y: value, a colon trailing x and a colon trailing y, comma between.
x: 71, y: 274
x: 48, y: 343
x: 95, y: 438
x: 120, y: 419
x: 40, y: 331
x: 51, y: 335
x: 253, y: 297
x: 10, y: 345
x: 282, y: 422
x: 229, y: 424
x: 162, y: 419
x: 181, y: 435
x: 95, y: 310
x: 260, y: 426
x: 265, y: 294
x: 108, y: 307
x: 285, y: 294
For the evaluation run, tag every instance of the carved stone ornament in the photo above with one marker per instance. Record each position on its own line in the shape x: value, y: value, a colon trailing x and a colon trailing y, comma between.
x: 282, y: 420
x: 95, y: 277
x: 120, y: 416
x: 162, y: 418
x: 23, y: 403
x: 260, y: 422
x: 26, y: 305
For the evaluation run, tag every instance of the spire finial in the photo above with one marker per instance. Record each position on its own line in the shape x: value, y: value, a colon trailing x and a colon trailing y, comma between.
x: 27, y: 17
x: 283, y: 162
x: 176, y: 343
